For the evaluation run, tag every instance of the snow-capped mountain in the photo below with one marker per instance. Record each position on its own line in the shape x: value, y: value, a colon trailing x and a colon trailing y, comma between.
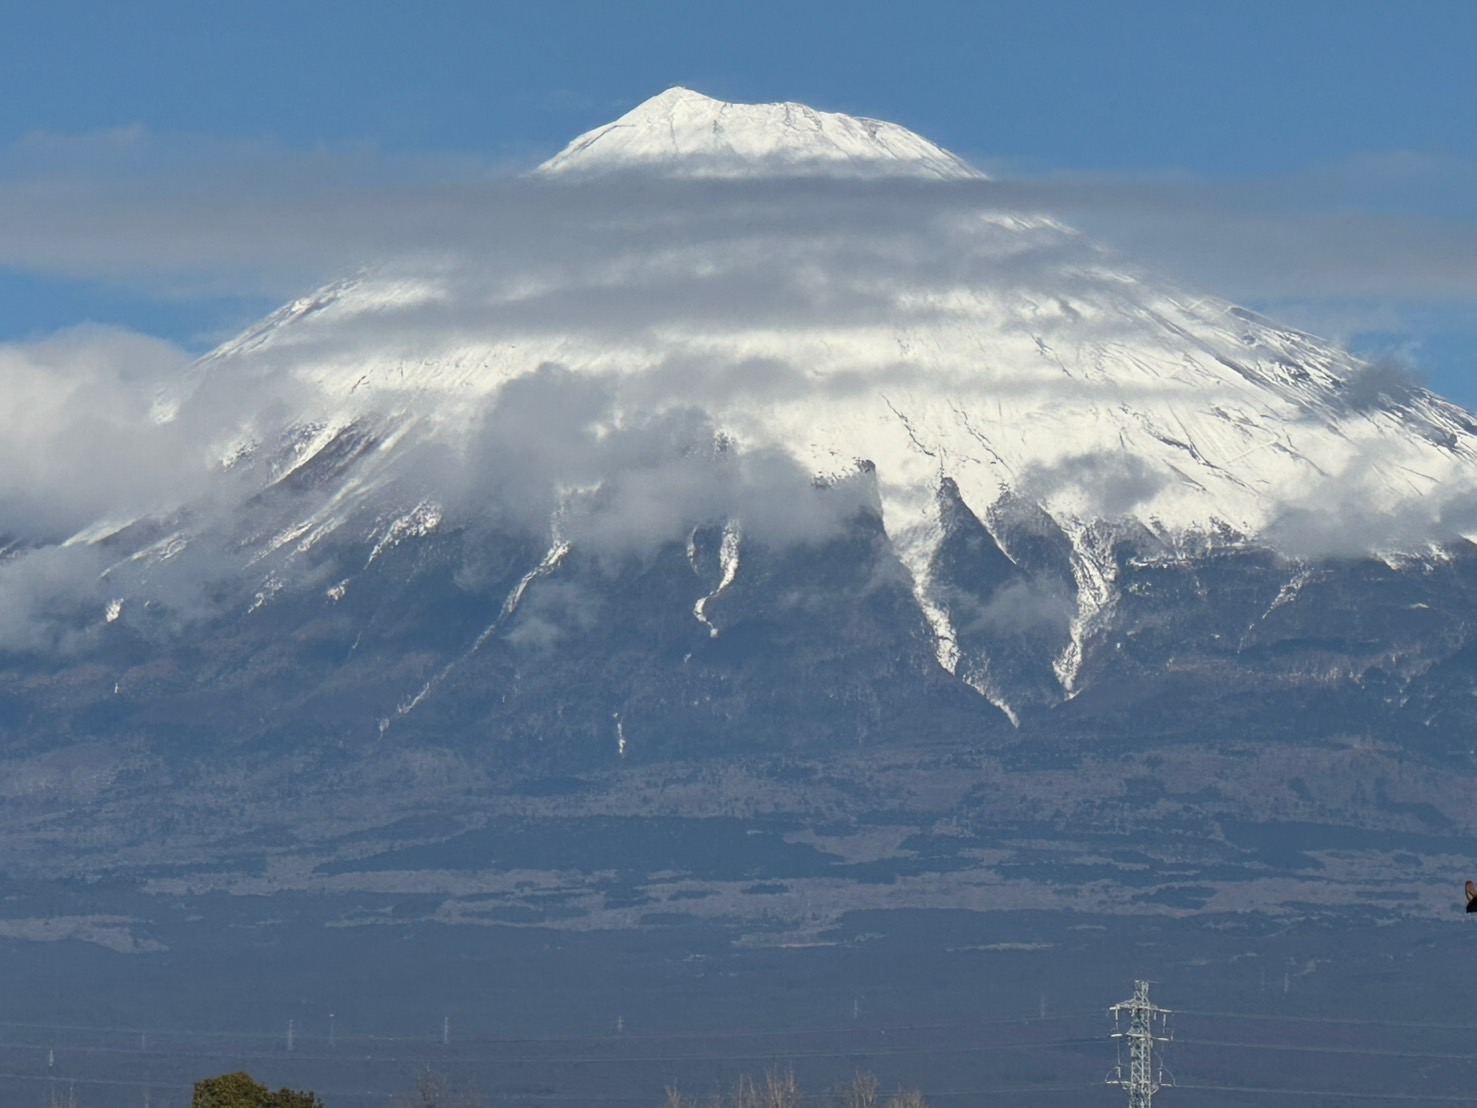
x: 770, y: 338
x: 959, y: 347
x: 745, y: 532
x: 687, y: 134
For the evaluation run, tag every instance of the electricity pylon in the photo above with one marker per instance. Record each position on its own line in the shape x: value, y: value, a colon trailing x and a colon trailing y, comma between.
x: 1146, y: 1024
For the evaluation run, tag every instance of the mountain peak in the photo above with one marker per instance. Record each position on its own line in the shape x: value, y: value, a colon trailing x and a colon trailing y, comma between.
x: 683, y: 133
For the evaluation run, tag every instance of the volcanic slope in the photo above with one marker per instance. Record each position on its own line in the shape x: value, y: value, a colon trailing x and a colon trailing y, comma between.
x: 765, y: 419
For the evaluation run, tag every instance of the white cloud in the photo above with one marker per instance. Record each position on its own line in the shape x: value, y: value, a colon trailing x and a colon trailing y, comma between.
x: 79, y: 439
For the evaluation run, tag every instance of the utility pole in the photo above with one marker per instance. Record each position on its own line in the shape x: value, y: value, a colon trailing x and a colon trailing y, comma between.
x: 1142, y: 1023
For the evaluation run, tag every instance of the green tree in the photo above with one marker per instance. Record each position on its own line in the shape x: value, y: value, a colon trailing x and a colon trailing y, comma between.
x: 230, y: 1090
x: 293, y: 1098
x: 241, y: 1090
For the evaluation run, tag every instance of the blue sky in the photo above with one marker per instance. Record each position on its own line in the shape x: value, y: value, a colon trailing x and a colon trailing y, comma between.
x: 1317, y: 160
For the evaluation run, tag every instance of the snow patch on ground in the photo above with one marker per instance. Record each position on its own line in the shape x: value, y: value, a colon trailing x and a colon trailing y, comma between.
x: 728, y: 561
x: 419, y: 522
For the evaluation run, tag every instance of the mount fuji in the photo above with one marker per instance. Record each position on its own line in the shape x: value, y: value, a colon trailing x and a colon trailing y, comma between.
x: 755, y: 462
x: 960, y: 377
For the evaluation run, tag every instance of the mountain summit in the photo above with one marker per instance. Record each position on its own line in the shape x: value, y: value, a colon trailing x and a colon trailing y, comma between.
x: 684, y: 133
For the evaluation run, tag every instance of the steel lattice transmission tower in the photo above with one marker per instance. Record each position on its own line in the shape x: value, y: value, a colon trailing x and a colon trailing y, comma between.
x: 1141, y: 1023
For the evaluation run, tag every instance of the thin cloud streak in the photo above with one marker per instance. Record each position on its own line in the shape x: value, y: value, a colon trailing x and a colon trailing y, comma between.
x: 131, y: 207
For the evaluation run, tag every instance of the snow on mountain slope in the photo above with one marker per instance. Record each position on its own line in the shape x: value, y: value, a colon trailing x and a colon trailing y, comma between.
x: 931, y: 336
x: 689, y: 134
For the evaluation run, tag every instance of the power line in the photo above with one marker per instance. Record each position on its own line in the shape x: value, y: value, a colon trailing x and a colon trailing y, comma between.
x: 836, y: 1029
x: 1465, y: 1098
x: 1301, y: 1049
x: 782, y: 1054
x: 1270, y: 1017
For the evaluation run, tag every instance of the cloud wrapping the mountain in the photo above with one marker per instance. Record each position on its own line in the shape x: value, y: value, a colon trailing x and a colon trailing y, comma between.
x: 78, y: 437
x: 616, y: 463
x: 1108, y: 485
x: 51, y: 597
x: 558, y: 449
